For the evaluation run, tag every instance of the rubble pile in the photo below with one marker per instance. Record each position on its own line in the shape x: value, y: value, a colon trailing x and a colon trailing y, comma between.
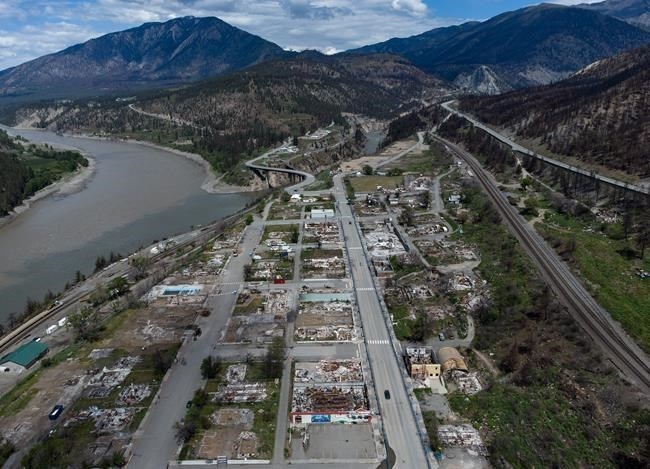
x: 133, y: 394
x: 107, y: 420
x: 246, y: 446
x: 329, y: 371
x: 467, y: 383
x: 321, y: 321
x: 103, y: 381
x: 461, y: 436
x: 384, y: 243
x: 327, y: 399
x: 330, y: 267
x: 326, y: 232
x: 242, y: 392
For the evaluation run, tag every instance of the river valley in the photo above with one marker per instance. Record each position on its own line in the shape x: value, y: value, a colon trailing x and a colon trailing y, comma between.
x: 136, y: 195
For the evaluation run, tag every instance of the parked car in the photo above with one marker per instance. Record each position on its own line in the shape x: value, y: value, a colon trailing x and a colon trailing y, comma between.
x: 386, y: 393
x: 56, y: 411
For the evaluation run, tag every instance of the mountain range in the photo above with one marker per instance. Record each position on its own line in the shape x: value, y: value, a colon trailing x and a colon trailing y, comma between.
x: 636, y: 12
x: 601, y: 114
x: 177, y: 51
x: 229, y: 118
x: 531, y: 46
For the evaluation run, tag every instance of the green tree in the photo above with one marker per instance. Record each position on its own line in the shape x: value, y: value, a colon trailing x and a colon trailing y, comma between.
x: 79, y: 277
x: 210, y: 367
x: 367, y: 170
x: 84, y: 324
x: 141, y: 265
x: 406, y: 217
x: 117, y: 287
x: 184, y: 430
x: 274, y: 358
x: 161, y: 362
x: 421, y: 327
x: 526, y: 182
x: 249, y: 219
x: 100, y: 263
x: 295, y: 234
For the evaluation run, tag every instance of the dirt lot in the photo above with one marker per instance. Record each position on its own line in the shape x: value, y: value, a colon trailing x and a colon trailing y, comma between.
x: 223, y: 439
x: 388, y: 152
x: 152, y: 325
x: 24, y: 412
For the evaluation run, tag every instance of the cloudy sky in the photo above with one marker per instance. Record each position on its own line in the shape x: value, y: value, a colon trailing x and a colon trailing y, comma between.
x: 31, y: 28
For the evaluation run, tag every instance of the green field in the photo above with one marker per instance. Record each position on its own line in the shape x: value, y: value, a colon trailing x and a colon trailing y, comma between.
x: 370, y: 183
x: 603, y: 261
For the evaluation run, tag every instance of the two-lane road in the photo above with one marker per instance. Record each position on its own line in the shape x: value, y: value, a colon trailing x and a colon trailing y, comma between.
x: 155, y: 443
x: 399, y: 422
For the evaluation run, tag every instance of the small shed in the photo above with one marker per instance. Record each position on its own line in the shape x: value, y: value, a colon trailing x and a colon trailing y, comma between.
x: 23, y: 357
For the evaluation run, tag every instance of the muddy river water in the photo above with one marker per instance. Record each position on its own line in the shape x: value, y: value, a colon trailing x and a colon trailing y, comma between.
x: 136, y: 195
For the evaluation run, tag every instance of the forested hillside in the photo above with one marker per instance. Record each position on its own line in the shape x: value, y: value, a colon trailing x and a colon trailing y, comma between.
x: 25, y: 169
x: 230, y: 118
x: 152, y: 55
x: 601, y: 114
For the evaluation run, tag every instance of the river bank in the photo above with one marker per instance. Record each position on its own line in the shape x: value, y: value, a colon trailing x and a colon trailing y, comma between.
x: 75, y: 182
x: 213, y: 183
x: 69, y: 184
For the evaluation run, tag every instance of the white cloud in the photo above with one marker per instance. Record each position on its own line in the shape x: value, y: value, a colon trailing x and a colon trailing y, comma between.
x: 412, y: 6
x: 20, y: 46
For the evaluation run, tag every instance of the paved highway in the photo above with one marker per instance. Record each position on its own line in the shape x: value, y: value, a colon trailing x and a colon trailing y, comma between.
x: 626, y: 355
x: 307, y: 178
x: 399, y: 422
x: 519, y: 148
x: 155, y: 443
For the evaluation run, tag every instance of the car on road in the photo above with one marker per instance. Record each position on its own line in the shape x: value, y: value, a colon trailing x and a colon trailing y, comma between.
x: 188, y: 404
x: 386, y: 393
x: 234, y: 292
x: 441, y: 336
x: 56, y: 411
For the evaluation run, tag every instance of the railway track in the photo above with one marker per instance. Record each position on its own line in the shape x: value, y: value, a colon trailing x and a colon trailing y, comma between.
x: 26, y: 329
x: 628, y: 357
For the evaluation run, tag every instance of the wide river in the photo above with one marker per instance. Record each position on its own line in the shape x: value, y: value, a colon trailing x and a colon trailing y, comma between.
x: 137, y: 195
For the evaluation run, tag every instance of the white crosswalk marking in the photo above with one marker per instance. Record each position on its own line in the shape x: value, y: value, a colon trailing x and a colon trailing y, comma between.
x: 378, y: 342
x: 356, y: 248
x: 365, y: 289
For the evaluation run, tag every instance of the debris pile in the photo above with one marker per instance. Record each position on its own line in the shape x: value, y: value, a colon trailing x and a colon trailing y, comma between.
x: 241, y: 392
x: 326, y: 232
x: 106, y: 420
x: 246, y: 446
x: 329, y: 371
x: 461, y: 436
x: 329, y: 399
x: 133, y: 394
x: 322, y: 321
x: 467, y: 383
